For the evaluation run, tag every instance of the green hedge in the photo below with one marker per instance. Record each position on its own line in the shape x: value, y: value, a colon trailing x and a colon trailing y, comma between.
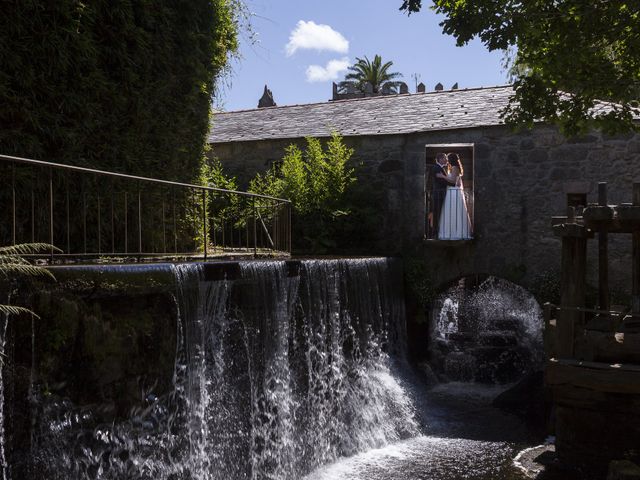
x: 117, y: 85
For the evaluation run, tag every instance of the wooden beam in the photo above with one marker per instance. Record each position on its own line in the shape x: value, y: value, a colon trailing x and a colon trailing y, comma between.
x: 572, y: 293
x: 635, y: 288
x: 603, y: 255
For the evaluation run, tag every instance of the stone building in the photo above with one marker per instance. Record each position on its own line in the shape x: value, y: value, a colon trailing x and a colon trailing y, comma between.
x: 515, y: 181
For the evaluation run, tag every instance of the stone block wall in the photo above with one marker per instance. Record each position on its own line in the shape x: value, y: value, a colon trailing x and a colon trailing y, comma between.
x: 519, y: 181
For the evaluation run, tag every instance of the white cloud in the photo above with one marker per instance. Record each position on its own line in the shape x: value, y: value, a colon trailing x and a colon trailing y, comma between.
x: 312, y: 36
x: 318, y: 73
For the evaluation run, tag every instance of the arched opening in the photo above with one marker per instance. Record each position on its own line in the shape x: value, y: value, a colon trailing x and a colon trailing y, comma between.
x: 485, y: 329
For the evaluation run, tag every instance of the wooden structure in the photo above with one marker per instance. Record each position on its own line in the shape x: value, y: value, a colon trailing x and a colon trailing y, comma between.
x: 593, y: 367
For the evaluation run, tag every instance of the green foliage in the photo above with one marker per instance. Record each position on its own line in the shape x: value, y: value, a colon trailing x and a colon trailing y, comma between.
x: 588, y: 50
x: 316, y: 181
x: 418, y: 281
x: 123, y: 86
x: 376, y: 73
x: 13, y: 267
x: 221, y: 207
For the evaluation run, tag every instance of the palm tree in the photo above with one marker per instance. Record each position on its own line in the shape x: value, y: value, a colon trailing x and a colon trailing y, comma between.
x: 375, y: 73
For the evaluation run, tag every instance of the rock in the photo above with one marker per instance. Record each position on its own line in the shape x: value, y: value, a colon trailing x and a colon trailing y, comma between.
x: 527, y: 399
x: 499, y: 364
x: 428, y: 374
x: 623, y: 470
x: 460, y: 367
x: 461, y: 337
x: 504, y: 338
x: 507, y: 323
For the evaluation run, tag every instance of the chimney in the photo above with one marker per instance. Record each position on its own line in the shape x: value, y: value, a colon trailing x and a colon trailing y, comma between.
x: 439, y: 87
x: 267, y: 99
x: 421, y: 88
x: 455, y: 86
x: 368, y: 89
x: 404, y: 88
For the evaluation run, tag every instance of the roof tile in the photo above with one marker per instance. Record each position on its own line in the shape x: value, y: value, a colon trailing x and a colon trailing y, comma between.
x: 408, y: 113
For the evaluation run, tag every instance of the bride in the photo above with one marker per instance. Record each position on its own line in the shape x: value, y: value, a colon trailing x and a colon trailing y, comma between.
x: 455, y: 223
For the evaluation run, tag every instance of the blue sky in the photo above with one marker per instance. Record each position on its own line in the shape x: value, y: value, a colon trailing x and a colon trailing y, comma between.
x: 302, y: 45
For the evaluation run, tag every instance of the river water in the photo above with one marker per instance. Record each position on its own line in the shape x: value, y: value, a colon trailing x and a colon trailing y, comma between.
x: 288, y: 370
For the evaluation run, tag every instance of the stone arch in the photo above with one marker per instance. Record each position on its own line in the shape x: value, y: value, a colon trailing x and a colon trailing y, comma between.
x: 484, y: 328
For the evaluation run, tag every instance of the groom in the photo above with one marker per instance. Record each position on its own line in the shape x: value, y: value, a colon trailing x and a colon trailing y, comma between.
x: 439, y: 190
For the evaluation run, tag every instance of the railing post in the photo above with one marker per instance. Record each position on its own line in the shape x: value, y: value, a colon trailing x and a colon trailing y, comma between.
x: 175, y: 224
x: 113, y: 225
x: 246, y: 225
x: 213, y: 227
x: 139, y: 223
x: 51, y: 211
x: 99, y: 227
x: 126, y: 223
x: 164, y: 228
x: 255, y: 231
x: 204, y: 221
x: 84, y: 219
x: 67, y: 213
x: 289, y: 227
x: 33, y: 208
x: 274, y: 227
x: 13, y: 196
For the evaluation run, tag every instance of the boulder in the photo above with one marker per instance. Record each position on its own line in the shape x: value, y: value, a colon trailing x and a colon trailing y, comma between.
x: 527, y: 399
x: 460, y: 367
x: 505, y: 338
x: 623, y: 470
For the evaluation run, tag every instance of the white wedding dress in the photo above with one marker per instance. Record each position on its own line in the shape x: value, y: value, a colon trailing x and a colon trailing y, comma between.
x: 455, y: 223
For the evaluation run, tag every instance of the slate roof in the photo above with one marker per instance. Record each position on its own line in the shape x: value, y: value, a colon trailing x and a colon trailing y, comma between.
x: 390, y: 114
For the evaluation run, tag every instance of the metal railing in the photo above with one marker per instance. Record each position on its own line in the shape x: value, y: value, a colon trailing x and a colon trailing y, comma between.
x: 449, y: 214
x: 90, y: 213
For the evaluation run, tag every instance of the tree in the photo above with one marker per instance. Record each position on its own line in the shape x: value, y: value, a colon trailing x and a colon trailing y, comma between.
x: 376, y: 73
x: 571, y: 56
x: 123, y: 86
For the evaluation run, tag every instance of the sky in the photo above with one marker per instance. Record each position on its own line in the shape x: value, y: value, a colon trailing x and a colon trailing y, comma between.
x: 299, y: 48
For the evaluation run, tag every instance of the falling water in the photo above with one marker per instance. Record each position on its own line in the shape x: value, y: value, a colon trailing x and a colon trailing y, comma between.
x: 279, y: 371
x: 491, y: 333
x: 3, y: 340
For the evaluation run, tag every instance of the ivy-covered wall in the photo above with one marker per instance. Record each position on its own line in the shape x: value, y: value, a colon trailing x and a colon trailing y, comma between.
x: 121, y: 85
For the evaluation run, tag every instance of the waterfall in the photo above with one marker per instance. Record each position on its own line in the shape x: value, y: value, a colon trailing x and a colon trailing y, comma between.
x: 3, y: 341
x: 487, y: 333
x: 280, y: 368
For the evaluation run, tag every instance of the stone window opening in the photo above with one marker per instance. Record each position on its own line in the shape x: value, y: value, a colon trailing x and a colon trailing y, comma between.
x: 449, y: 207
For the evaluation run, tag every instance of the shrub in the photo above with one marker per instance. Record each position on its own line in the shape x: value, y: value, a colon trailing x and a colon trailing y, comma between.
x: 316, y: 181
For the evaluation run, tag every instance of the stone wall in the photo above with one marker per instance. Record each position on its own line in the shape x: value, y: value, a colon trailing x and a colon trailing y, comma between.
x: 519, y: 184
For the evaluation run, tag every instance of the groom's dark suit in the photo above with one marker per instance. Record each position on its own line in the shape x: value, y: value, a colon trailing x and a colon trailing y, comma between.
x: 439, y: 191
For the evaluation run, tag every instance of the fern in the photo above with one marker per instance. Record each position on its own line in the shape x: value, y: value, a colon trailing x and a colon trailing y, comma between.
x: 8, y: 270
x: 28, y: 249
x: 15, y: 310
x: 13, y: 265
